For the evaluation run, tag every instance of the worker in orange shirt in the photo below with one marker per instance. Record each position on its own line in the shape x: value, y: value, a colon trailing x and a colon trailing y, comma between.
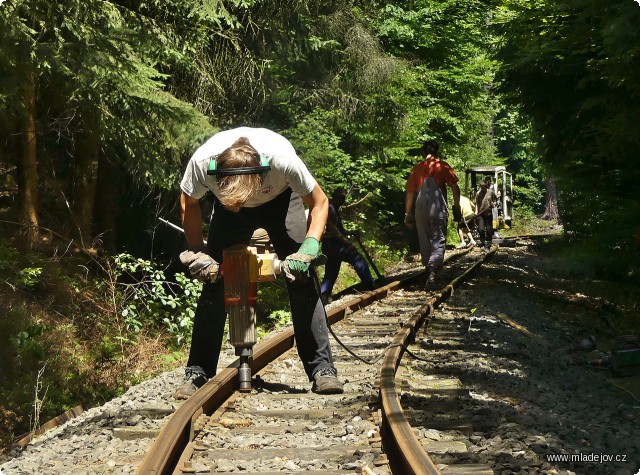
x: 427, y: 184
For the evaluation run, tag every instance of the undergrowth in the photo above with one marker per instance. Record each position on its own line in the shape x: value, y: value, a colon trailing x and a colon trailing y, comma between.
x: 79, y: 330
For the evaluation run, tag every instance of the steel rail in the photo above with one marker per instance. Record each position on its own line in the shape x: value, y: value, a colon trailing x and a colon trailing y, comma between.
x: 405, y: 452
x: 165, y: 452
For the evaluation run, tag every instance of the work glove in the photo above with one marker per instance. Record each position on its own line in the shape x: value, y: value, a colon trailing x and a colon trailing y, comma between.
x: 201, y: 265
x: 457, y: 213
x: 296, y: 265
x: 409, y: 221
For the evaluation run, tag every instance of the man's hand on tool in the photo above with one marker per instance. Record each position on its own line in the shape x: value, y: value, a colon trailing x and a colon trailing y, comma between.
x: 201, y: 265
x: 296, y: 265
x: 409, y: 220
x: 457, y: 213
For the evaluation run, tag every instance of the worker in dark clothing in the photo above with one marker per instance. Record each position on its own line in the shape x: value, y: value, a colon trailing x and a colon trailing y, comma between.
x: 485, y: 202
x: 338, y: 248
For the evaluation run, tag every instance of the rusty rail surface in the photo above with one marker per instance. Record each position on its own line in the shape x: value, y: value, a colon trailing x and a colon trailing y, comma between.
x: 405, y: 452
x: 164, y: 454
x: 165, y: 451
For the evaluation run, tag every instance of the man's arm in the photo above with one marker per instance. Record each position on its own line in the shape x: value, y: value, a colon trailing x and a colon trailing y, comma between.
x: 456, y: 194
x: 408, y: 201
x: 192, y: 221
x: 318, y: 204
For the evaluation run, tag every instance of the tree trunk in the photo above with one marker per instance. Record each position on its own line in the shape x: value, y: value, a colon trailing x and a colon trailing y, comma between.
x: 27, y: 162
x: 551, y: 201
x: 106, y: 204
x: 87, y: 151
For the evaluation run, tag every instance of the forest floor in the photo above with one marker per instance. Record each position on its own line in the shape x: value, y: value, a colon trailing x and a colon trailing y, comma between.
x: 602, y: 302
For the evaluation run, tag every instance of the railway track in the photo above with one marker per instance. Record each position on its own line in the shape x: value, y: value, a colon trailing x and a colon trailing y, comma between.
x: 280, y: 427
x: 490, y: 383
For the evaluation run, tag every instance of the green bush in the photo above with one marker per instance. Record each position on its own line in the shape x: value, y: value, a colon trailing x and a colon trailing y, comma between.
x: 27, y: 342
x: 148, y: 300
x: 8, y: 256
x: 28, y: 277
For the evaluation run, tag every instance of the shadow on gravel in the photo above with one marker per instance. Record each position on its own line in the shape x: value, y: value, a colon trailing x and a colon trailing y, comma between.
x: 534, y: 394
x: 260, y: 384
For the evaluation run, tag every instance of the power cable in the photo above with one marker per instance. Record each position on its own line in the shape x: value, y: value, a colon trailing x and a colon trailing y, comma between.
x: 350, y: 351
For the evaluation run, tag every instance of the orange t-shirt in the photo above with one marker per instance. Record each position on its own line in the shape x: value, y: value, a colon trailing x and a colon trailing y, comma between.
x: 440, y: 170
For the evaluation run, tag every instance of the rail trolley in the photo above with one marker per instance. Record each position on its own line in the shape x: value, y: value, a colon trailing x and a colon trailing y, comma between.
x: 503, y: 187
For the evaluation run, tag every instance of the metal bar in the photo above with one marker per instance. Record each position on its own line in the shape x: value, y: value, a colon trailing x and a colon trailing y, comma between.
x: 171, y: 225
x: 177, y: 228
x: 364, y: 251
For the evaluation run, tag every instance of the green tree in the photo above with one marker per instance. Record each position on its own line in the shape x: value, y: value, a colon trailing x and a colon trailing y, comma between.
x: 573, y: 68
x: 92, y: 67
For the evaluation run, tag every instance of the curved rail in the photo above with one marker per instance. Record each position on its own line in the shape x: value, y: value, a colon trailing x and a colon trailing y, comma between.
x: 165, y: 452
x: 405, y: 452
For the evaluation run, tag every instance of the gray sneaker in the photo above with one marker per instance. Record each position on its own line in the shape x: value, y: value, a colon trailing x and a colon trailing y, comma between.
x: 325, y: 381
x: 194, y: 378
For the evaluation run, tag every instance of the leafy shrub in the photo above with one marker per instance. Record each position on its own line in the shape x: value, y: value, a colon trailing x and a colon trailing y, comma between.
x: 28, y: 341
x: 8, y: 256
x: 19, y: 269
x: 28, y: 277
x: 276, y: 319
x: 147, y: 298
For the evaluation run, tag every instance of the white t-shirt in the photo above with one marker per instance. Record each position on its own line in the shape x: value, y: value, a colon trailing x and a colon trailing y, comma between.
x: 287, y: 169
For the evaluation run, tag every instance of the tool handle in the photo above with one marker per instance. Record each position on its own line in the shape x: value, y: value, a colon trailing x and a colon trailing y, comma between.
x: 366, y: 254
x: 177, y: 228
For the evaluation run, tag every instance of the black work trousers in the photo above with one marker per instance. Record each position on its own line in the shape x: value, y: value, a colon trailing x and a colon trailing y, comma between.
x: 338, y: 252
x: 485, y: 228
x: 284, y: 220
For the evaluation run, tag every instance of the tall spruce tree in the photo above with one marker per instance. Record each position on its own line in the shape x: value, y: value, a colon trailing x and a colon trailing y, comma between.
x: 574, y: 69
